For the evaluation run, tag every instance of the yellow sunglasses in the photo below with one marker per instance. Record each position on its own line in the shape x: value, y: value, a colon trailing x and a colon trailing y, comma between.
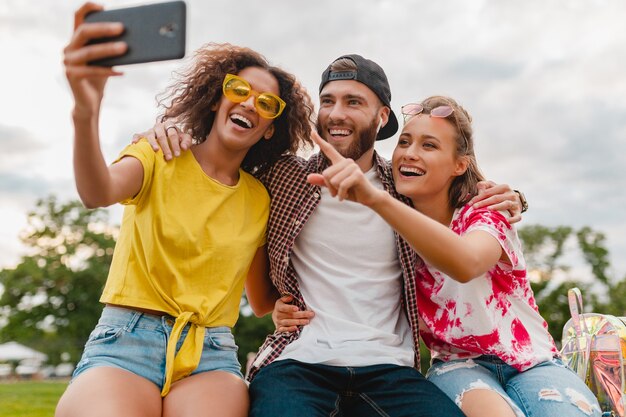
x: 237, y: 90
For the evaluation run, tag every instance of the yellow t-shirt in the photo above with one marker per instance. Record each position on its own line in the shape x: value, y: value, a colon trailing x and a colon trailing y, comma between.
x: 185, y: 247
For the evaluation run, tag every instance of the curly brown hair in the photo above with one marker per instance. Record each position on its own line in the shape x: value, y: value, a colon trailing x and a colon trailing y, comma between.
x: 198, y: 88
x: 464, y: 186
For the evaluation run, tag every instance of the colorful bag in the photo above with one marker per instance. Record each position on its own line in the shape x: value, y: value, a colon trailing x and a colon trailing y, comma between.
x: 594, y: 346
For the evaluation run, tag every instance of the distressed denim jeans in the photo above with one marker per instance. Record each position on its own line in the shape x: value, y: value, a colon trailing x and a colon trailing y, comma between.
x: 549, y: 389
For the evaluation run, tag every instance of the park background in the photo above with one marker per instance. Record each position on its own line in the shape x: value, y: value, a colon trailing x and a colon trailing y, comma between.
x: 544, y: 83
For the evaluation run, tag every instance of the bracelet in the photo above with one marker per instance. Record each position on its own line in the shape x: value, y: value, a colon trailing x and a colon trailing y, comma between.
x: 522, y: 199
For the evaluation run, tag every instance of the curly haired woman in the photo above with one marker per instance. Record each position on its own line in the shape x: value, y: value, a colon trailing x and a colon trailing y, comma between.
x: 191, y: 229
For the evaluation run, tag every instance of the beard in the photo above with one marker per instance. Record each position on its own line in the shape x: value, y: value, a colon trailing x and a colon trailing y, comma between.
x: 363, y: 141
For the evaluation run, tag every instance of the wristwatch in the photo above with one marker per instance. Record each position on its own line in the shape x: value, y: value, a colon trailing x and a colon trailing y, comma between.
x: 522, y: 200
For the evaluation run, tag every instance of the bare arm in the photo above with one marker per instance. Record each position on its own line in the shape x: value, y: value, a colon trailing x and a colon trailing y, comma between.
x: 461, y: 257
x: 260, y: 291
x: 98, y: 185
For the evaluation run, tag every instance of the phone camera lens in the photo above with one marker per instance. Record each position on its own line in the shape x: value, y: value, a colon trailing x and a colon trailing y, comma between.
x: 168, y: 30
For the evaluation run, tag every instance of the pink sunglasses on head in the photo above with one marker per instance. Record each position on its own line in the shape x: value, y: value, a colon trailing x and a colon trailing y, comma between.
x: 413, y: 109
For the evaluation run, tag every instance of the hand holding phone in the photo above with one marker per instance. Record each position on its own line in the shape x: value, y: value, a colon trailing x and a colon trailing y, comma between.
x: 117, y: 37
x: 87, y: 82
x: 154, y: 32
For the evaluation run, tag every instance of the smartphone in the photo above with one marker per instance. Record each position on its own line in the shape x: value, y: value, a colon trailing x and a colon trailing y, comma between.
x: 155, y: 32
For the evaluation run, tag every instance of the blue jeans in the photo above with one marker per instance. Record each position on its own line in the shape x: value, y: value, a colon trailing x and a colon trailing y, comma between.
x: 549, y: 389
x: 288, y: 388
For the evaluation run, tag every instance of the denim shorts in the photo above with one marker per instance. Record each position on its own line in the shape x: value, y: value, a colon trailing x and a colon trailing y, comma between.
x: 547, y: 389
x: 136, y: 341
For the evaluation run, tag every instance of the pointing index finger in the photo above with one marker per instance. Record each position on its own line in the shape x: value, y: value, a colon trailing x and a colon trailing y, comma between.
x: 327, y: 148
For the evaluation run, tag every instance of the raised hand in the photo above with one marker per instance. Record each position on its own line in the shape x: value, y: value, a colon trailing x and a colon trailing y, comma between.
x: 87, y: 82
x: 344, y: 178
x: 288, y: 317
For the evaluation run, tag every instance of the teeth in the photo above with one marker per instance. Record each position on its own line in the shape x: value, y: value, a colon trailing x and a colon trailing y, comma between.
x: 242, y: 119
x: 339, y: 132
x: 412, y: 171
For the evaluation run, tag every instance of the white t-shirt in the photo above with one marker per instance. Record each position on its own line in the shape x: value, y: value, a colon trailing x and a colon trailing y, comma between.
x: 349, y: 274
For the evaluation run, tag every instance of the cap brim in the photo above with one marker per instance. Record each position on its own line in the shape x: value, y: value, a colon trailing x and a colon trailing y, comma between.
x: 390, y: 128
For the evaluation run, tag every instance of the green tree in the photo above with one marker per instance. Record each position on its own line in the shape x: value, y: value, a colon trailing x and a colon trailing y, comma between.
x: 546, y: 250
x: 593, y: 246
x: 50, y: 300
x: 250, y: 331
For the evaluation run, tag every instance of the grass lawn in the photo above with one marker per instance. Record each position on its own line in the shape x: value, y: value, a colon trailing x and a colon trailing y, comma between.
x: 30, y: 398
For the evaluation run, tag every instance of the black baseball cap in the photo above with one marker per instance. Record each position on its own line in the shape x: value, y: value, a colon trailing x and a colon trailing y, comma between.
x: 372, y: 75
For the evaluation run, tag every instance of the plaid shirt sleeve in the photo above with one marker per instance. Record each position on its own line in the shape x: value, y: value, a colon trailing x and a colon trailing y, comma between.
x: 293, y: 200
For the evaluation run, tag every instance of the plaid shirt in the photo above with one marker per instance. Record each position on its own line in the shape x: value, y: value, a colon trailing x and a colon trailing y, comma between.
x: 293, y: 200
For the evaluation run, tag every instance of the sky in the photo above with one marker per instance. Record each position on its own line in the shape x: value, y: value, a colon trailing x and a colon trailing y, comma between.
x: 544, y: 82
